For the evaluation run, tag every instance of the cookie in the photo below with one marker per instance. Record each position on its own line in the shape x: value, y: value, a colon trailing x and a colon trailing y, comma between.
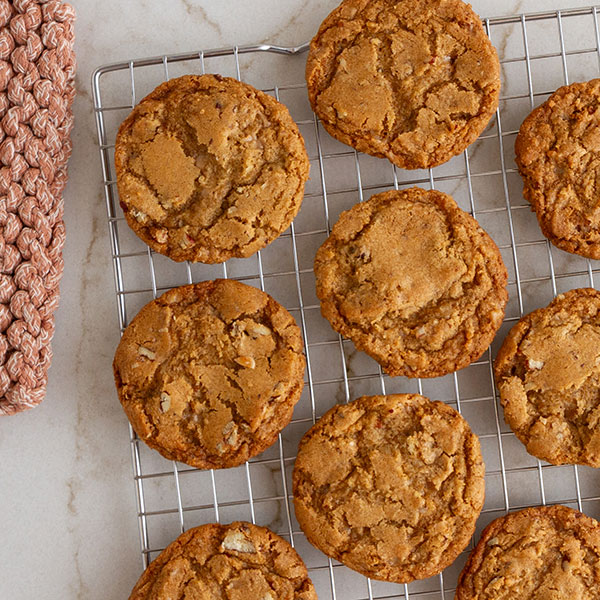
x: 548, y: 375
x: 558, y: 155
x: 208, y: 374
x: 391, y: 486
x: 413, y: 281
x: 541, y: 553
x: 414, y: 81
x: 209, y: 168
x: 240, y: 561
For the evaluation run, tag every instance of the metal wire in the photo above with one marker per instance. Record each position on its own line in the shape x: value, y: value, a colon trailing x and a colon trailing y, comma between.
x: 172, y: 497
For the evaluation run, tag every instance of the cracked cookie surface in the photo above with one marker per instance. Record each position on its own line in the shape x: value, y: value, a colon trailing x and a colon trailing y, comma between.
x: 548, y: 375
x: 558, y: 155
x: 415, y: 81
x: 209, y: 168
x: 239, y: 561
x: 413, y: 281
x: 391, y: 486
x: 541, y: 553
x: 208, y: 374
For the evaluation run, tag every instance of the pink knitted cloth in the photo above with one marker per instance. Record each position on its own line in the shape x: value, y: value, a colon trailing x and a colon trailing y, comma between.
x: 37, y: 70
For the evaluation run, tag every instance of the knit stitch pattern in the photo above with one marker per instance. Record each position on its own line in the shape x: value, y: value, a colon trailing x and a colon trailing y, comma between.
x: 37, y: 73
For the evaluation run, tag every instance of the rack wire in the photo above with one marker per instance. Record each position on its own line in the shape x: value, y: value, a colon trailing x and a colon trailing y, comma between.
x: 538, y: 52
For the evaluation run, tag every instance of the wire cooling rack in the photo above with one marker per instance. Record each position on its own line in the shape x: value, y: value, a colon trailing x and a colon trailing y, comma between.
x: 538, y: 52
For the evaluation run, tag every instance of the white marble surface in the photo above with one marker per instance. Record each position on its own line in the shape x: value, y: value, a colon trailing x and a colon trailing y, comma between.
x: 68, y: 526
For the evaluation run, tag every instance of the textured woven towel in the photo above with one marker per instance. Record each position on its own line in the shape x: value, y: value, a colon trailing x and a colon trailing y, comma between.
x: 37, y: 70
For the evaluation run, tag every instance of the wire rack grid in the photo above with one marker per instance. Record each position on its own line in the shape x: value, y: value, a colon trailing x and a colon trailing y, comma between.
x: 538, y: 52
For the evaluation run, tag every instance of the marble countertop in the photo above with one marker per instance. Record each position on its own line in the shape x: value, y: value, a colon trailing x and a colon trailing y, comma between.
x: 68, y: 525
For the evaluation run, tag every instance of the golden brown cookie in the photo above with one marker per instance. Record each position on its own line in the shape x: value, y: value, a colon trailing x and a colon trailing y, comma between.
x: 542, y: 553
x: 414, y: 81
x: 238, y: 562
x: 413, y: 281
x: 208, y: 374
x: 548, y: 375
x: 558, y: 155
x: 209, y: 168
x: 391, y: 486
